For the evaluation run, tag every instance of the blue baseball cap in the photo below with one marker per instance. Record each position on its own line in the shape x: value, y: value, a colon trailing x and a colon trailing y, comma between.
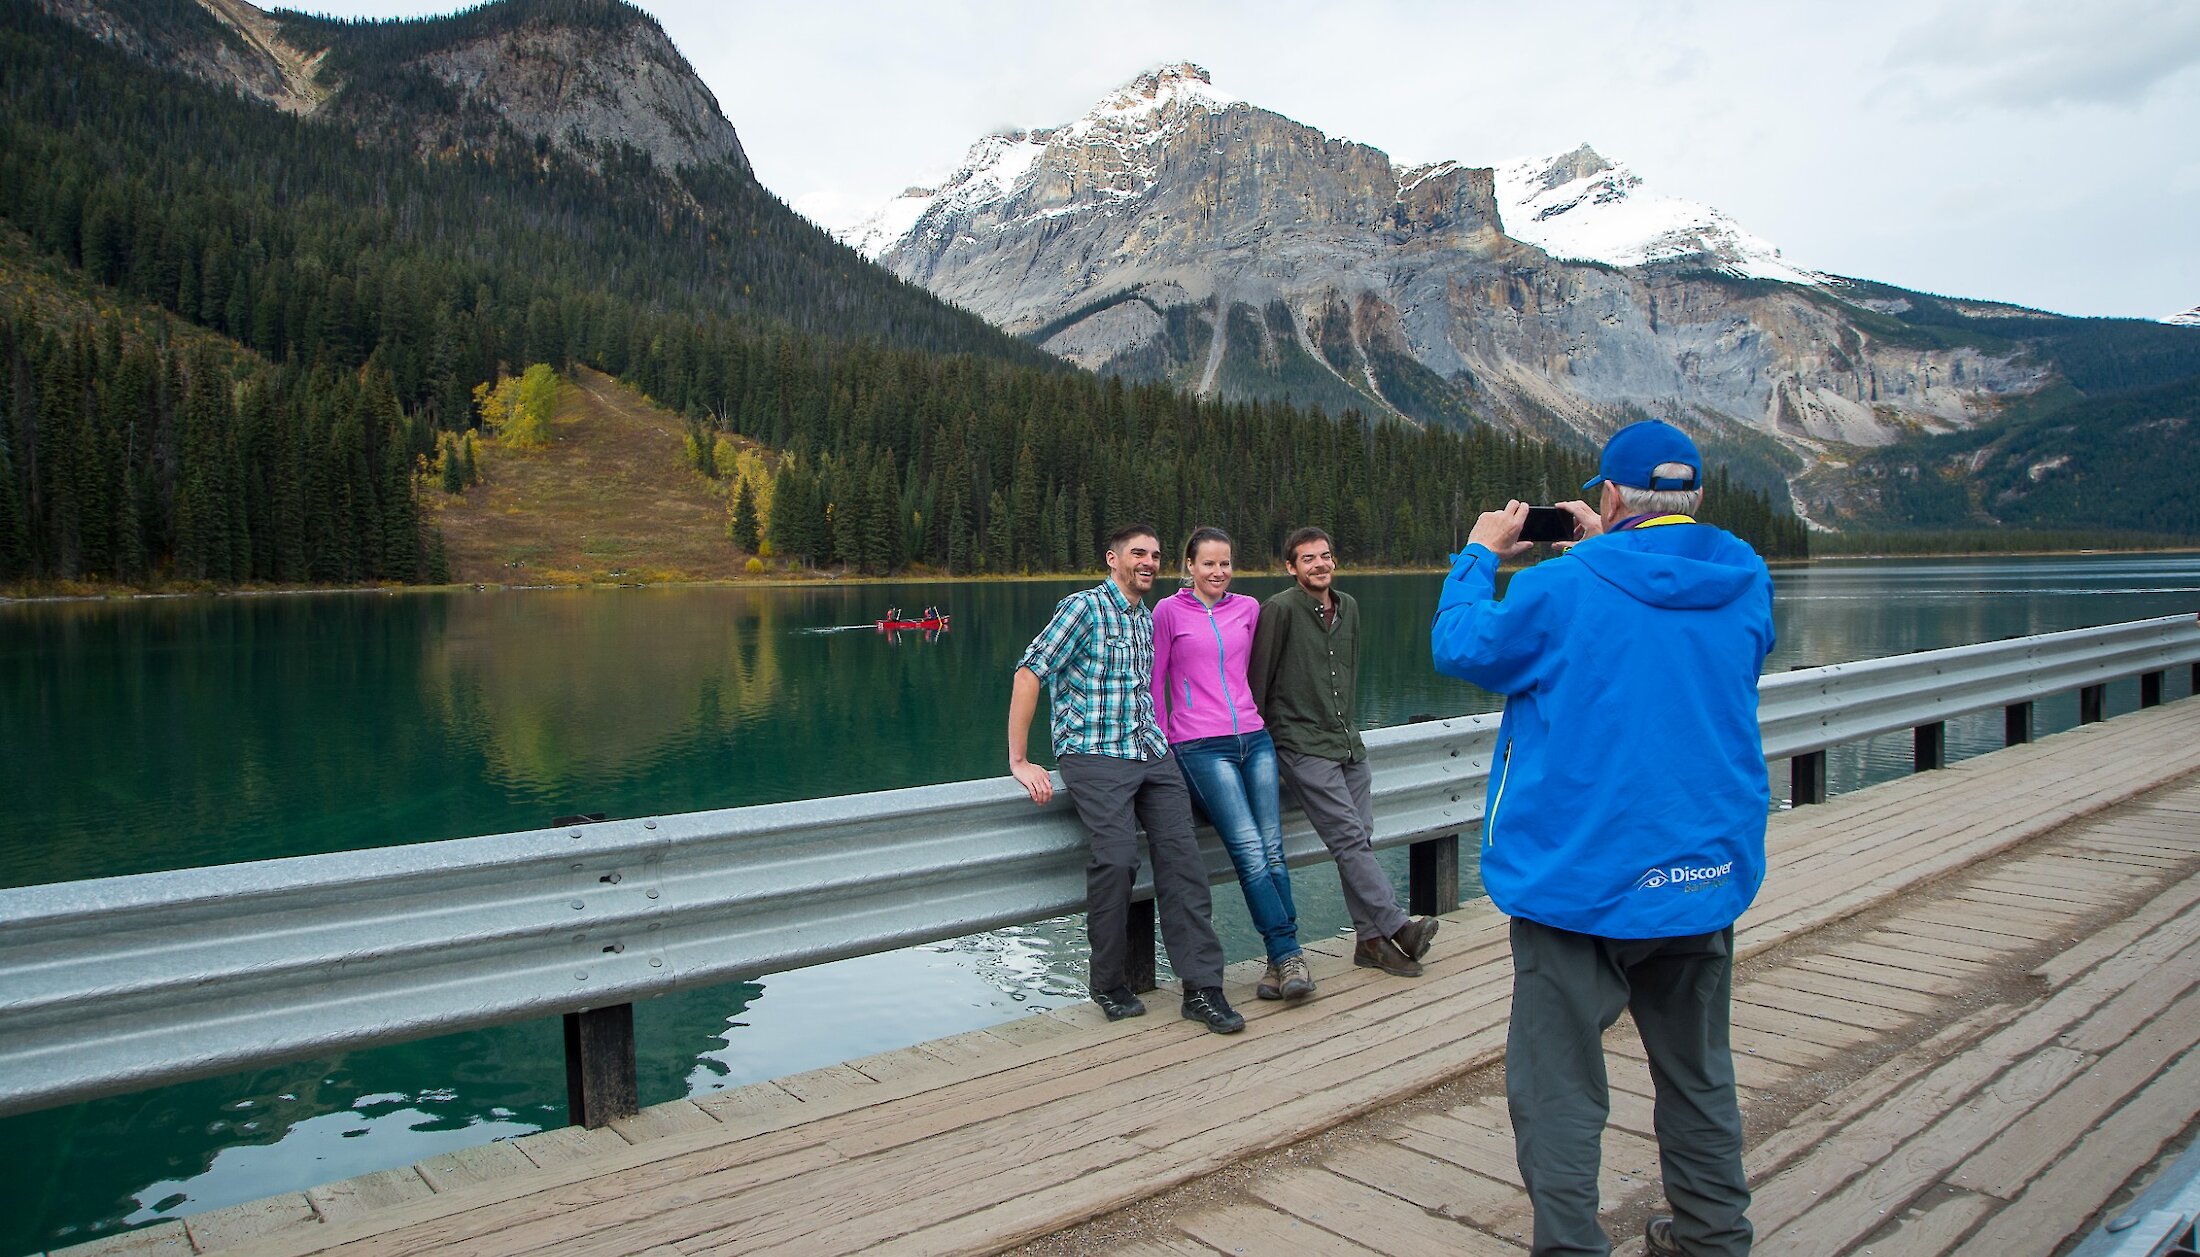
x: 1635, y: 451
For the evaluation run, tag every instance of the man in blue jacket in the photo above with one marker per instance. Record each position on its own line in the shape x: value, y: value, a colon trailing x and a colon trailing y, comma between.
x: 1624, y: 827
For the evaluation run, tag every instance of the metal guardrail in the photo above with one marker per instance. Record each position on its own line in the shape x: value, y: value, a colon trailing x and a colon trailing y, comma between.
x: 2163, y: 1221
x: 117, y: 984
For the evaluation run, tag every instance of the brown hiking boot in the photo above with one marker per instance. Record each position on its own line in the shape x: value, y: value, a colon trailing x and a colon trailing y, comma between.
x: 1271, y: 983
x: 1298, y: 980
x: 1415, y: 935
x: 1385, y: 955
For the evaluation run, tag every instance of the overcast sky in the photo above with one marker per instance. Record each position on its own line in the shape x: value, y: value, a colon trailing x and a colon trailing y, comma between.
x: 2038, y: 151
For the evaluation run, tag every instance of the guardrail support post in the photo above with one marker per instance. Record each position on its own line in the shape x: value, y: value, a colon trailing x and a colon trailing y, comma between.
x: 599, y: 1065
x: 2150, y: 689
x: 1432, y: 876
x: 1929, y: 746
x: 2016, y: 724
x: 2092, y: 704
x: 1139, y: 967
x: 1807, y: 778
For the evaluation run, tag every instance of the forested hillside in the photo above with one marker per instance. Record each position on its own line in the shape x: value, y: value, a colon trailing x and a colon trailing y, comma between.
x: 350, y: 291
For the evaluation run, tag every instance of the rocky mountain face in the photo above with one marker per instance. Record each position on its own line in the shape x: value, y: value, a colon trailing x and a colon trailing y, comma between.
x: 595, y: 80
x: 1176, y: 231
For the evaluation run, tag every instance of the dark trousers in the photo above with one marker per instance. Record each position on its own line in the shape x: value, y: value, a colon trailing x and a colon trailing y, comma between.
x: 1339, y: 800
x: 1115, y: 798
x: 1568, y: 989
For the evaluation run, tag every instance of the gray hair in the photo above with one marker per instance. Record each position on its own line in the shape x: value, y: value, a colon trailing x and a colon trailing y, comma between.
x: 1663, y: 501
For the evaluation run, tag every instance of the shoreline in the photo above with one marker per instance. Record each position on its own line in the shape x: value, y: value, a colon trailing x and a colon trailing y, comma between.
x: 124, y: 593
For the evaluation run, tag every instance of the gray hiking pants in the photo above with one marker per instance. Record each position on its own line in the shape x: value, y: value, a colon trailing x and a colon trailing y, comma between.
x: 1568, y: 989
x: 1339, y: 801
x: 1115, y: 798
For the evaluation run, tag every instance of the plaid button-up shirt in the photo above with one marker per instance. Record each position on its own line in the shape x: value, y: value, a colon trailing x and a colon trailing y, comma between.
x: 1096, y: 657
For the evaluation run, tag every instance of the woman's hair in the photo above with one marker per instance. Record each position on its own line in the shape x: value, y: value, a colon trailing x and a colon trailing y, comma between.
x: 1201, y: 536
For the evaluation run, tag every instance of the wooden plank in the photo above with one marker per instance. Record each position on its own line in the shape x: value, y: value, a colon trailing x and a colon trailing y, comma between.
x: 1893, y: 999
x: 1827, y: 1034
x: 1036, y: 1028
x: 568, y: 1145
x: 828, y: 1083
x: 1885, y: 975
x: 901, y: 1064
x: 1164, y: 1246
x: 1373, y: 1219
x: 1963, y: 917
x: 1808, y: 1132
x: 357, y: 1197
x: 1897, y: 958
x: 741, y: 1106
x: 2170, y: 904
x: 1997, y: 944
x: 1427, y: 1181
x: 1846, y: 1011
x: 1340, y: 1089
x: 2046, y: 907
x: 659, y: 1120
x: 2035, y: 1140
x: 1836, y: 1223
x: 467, y: 1167
x: 572, y: 1211
x: 2121, y: 1017
x: 252, y: 1220
x: 2067, y: 1200
x: 162, y: 1239
x: 1246, y: 1229
x: 1749, y: 1041
x: 1935, y: 1224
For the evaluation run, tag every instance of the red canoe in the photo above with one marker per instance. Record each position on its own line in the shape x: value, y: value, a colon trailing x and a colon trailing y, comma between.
x: 929, y: 625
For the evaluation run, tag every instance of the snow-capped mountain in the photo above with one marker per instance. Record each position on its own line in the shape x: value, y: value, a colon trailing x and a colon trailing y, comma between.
x: 1579, y: 206
x: 2190, y: 318
x: 1176, y: 231
x: 1118, y: 137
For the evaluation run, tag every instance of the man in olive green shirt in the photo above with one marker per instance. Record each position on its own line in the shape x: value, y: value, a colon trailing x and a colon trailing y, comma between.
x: 1304, y: 671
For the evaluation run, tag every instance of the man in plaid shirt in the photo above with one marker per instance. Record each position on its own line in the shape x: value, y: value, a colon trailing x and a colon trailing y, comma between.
x: 1096, y: 659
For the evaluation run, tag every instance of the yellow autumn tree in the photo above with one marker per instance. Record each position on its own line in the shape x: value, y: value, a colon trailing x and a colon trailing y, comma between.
x: 748, y: 466
x: 519, y: 409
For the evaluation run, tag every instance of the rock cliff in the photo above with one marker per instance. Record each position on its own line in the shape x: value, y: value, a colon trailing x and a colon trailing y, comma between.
x: 594, y: 80
x: 1178, y: 231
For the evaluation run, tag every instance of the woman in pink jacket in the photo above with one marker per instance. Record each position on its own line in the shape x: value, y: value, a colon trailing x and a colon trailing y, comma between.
x: 1202, y: 639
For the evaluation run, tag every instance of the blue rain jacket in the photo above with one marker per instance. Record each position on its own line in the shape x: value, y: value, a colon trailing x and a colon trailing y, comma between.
x: 1628, y: 797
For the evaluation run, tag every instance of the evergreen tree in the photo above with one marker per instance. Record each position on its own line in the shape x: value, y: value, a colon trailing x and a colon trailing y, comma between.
x: 742, y: 527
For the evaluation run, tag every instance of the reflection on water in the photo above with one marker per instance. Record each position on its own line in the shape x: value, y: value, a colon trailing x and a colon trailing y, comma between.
x: 171, y: 733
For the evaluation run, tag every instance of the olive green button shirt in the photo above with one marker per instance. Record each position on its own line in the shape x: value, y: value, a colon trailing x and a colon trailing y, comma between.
x: 1305, y: 675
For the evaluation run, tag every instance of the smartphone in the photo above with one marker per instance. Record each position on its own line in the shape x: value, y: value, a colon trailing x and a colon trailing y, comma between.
x: 1548, y: 523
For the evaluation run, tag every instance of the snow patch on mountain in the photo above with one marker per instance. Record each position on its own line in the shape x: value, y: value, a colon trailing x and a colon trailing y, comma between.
x: 2190, y: 318
x: 989, y: 173
x: 1580, y: 206
x: 1132, y: 122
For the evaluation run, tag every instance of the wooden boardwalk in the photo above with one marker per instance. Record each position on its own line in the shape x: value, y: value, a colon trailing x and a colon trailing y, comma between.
x: 1961, y: 1025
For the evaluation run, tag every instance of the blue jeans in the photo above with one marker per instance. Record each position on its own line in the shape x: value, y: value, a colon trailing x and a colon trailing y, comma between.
x: 1233, y: 779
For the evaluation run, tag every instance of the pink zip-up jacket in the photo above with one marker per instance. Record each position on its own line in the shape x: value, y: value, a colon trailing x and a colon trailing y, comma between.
x: 1199, y: 658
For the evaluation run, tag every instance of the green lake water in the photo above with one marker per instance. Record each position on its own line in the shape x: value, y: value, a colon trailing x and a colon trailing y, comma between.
x: 167, y: 733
